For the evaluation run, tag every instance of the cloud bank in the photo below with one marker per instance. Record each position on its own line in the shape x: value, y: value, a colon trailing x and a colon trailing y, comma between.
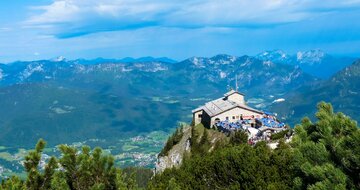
x: 72, y: 18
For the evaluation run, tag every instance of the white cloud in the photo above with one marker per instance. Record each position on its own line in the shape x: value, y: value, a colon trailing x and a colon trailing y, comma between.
x: 279, y: 100
x: 63, y: 11
x: 59, y: 11
x: 89, y: 16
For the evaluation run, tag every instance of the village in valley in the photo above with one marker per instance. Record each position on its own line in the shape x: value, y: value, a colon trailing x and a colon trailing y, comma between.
x: 139, y: 151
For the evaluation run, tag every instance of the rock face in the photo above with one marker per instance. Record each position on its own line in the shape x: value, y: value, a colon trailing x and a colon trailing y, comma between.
x: 175, y: 156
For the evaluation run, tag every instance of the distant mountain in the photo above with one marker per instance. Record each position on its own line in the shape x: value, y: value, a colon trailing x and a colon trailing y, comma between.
x: 147, y: 59
x: 126, y: 60
x: 276, y: 56
x: 314, y: 62
x: 105, y: 98
x: 71, y: 100
x: 59, y: 59
x: 342, y: 90
x: 48, y: 70
x: 255, y: 77
x: 2, y: 75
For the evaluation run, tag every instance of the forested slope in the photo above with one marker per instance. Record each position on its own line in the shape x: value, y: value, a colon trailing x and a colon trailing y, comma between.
x: 322, y: 155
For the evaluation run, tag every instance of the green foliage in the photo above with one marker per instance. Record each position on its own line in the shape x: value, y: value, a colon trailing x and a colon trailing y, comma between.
x: 279, y: 135
x: 194, y: 135
x: 59, y: 182
x: 173, y: 185
x: 239, y: 137
x: 75, y: 170
x: 321, y: 155
x: 238, y: 167
x: 35, y: 178
x: 327, y: 158
x: 14, y: 183
x: 131, y: 182
x: 200, y: 143
x: 172, y: 140
x: 88, y: 168
x: 142, y: 175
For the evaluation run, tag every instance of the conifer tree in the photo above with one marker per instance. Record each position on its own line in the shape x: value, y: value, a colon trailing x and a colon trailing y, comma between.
x: 131, y: 182
x: 173, y: 185
x: 239, y: 137
x: 59, y: 182
x: 35, y: 179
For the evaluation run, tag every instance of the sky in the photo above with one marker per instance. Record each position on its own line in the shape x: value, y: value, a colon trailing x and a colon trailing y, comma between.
x: 45, y: 29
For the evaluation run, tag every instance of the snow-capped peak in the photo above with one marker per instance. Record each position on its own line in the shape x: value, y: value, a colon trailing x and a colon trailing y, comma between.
x: 59, y: 59
x: 195, y: 60
x: 198, y: 61
x: 310, y: 57
x: 222, y: 59
x: 1, y: 74
x: 274, y: 55
x: 30, y: 69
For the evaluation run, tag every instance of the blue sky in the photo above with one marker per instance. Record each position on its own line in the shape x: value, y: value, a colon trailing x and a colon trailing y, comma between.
x: 43, y: 29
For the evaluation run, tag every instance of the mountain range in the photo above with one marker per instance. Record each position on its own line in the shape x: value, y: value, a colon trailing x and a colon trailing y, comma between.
x: 72, y: 100
x: 314, y: 62
x: 342, y: 90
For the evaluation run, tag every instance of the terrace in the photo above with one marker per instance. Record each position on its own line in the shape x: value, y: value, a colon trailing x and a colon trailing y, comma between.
x: 257, y: 128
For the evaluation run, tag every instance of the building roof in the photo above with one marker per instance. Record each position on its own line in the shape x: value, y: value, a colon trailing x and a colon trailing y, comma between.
x: 222, y: 105
x: 232, y: 92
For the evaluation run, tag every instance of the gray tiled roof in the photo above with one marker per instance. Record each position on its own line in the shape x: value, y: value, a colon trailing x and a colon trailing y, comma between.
x: 221, y: 105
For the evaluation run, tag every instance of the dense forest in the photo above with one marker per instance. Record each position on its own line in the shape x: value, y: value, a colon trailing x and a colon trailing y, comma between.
x: 324, y: 154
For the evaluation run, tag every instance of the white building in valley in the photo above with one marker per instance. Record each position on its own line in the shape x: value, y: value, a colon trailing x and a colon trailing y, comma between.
x: 231, y: 107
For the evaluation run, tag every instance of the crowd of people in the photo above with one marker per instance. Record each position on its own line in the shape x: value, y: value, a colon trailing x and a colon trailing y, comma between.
x: 257, y: 128
x: 266, y: 121
x: 269, y: 121
x: 227, y: 126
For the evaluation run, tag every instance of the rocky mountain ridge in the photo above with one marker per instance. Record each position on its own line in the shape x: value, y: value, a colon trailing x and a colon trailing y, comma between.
x: 129, y: 98
x: 314, y: 62
x: 342, y: 90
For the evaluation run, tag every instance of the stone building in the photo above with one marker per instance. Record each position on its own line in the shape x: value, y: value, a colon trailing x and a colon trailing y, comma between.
x: 232, y: 107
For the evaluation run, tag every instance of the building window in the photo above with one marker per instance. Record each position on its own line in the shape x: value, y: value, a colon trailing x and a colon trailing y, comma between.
x: 200, y: 115
x: 227, y: 118
x: 233, y: 117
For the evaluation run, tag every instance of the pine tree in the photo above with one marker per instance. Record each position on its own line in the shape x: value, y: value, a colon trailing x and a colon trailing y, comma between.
x: 131, y: 182
x: 35, y: 179
x: 59, y: 182
x: 14, y: 183
x: 239, y: 137
x: 120, y: 181
x: 173, y: 185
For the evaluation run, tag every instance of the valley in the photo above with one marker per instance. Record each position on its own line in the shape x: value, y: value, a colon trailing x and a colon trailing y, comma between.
x: 130, y: 106
x: 140, y: 150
